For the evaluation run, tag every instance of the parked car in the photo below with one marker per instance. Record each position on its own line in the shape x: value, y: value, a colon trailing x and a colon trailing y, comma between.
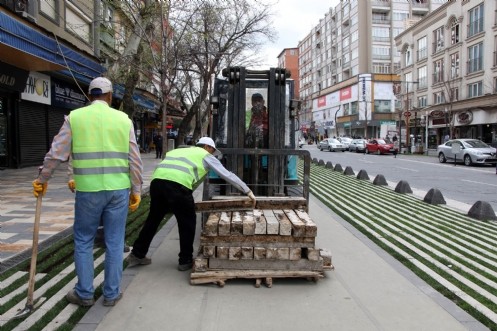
x: 469, y: 151
x: 345, y: 141
x: 331, y: 144
x: 357, y: 145
x: 379, y: 146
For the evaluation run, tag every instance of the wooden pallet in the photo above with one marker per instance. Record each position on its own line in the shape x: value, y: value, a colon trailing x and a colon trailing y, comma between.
x: 220, y: 277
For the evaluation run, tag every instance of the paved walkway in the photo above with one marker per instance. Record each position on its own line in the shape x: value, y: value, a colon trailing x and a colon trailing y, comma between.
x: 17, y: 210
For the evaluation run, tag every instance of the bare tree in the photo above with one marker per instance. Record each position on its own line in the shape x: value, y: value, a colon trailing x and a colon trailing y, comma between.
x: 207, y: 36
x: 450, y: 87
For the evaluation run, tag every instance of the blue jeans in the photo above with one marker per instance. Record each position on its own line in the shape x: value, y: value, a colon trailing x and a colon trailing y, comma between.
x: 90, y: 208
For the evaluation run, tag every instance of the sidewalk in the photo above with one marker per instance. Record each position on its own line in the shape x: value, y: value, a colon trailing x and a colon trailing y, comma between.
x: 368, y: 290
x: 17, y: 210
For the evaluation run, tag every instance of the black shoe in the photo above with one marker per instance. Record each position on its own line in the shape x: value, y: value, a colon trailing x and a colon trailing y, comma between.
x: 112, y: 302
x: 185, y: 267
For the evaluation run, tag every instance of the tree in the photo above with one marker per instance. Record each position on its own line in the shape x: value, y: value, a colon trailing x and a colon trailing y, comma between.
x: 209, y: 35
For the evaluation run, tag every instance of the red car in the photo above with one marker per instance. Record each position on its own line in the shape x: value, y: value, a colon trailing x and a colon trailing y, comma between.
x: 379, y: 146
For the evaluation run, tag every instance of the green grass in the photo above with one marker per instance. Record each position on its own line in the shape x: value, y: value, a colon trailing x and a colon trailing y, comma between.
x: 410, y: 220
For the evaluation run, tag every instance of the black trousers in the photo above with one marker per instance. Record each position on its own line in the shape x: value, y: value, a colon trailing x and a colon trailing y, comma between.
x: 158, y: 151
x: 169, y: 197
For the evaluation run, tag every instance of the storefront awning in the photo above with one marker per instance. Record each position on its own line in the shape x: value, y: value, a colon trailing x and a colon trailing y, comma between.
x: 139, y: 99
x: 27, y: 48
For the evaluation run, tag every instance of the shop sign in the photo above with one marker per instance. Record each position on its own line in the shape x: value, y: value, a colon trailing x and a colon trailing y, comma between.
x: 437, y: 114
x: 37, y: 88
x: 345, y: 93
x: 65, y: 96
x: 12, y: 78
x: 465, y: 117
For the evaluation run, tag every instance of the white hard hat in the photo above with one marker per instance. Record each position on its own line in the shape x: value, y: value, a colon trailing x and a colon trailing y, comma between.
x: 208, y: 141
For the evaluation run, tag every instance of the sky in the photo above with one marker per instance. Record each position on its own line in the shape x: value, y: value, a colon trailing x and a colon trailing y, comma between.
x: 293, y: 20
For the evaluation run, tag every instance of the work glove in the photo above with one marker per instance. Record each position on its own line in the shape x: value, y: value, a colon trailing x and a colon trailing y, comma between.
x: 39, y: 188
x: 134, y: 201
x: 251, y: 195
x: 72, y: 185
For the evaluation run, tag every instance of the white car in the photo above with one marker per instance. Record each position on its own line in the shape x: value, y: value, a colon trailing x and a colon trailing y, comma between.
x: 331, y: 144
x: 469, y: 151
x: 345, y: 141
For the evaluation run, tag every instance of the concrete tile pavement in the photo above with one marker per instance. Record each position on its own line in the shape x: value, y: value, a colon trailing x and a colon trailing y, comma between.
x: 17, y: 210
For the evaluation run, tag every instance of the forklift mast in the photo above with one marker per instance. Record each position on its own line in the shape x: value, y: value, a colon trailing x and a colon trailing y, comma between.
x: 253, y: 125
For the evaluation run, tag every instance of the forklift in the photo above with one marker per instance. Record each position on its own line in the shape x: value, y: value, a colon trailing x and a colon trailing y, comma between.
x: 254, y: 125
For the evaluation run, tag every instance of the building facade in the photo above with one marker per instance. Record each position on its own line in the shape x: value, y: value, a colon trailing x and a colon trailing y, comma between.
x: 451, y: 57
x: 50, y: 50
x: 352, y: 50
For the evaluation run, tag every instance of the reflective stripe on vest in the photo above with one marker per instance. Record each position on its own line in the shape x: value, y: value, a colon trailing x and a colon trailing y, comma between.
x: 100, y: 148
x: 183, y: 166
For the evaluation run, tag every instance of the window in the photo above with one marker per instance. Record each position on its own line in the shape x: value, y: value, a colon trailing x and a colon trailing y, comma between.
x: 475, y: 20
x: 475, y: 58
x: 422, y: 80
x: 382, y: 106
x: 77, y: 22
x: 380, y: 18
x: 475, y: 89
x: 400, y: 15
x: 438, y: 37
x: 346, y: 109
x: 422, y: 101
x: 454, y: 32
x: 422, y: 48
x: 381, y: 52
x: 408, y: 57
x: 454, y: 94
x: 454, y: 65
x: 353, y: 108
x: 381, y: 34
x: 49, y: 8
x: 438, y: 71
x: 438, y: 98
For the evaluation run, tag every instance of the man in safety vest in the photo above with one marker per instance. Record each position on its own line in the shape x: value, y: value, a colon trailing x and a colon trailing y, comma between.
x: 106, y: 164
x: 171, y: 190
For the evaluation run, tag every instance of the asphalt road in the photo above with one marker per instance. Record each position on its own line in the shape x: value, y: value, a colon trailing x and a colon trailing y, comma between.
x: 456, y: 182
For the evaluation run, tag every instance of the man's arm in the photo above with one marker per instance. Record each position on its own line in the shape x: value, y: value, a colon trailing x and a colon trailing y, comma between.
x: 135, y: 163
x: 211, y: 162
x: 59, y: 151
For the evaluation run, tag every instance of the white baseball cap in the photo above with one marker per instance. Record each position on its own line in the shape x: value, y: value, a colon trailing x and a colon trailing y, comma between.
x: 208, y: 141
x: 100, y: 85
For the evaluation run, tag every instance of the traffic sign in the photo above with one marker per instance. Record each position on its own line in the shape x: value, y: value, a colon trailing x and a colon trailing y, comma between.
x: 407, y: 113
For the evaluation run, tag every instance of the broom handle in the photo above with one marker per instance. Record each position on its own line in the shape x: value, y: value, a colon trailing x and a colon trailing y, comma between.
x: 34, y: 254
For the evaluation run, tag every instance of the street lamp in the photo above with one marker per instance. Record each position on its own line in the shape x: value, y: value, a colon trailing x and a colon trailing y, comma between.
x: 336, y: 125
x: 446, y: 113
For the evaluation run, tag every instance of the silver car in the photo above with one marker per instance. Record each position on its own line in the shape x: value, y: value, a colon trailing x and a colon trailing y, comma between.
x: 469, y: 151
x: 331, y: 144
x: 357, y: 145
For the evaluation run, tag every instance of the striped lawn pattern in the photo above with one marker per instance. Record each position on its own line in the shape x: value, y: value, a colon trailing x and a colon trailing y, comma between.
x: 455, y: 251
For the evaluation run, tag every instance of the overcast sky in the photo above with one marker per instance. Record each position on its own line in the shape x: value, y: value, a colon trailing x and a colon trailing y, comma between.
x: 294, y: 20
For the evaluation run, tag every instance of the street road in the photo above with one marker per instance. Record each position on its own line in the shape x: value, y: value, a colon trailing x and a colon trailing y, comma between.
x: 456, y: 182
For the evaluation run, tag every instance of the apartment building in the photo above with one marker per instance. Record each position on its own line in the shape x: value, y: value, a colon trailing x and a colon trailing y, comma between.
x: 451, y: 58
x: 289, y: 59
x: 348, y: 63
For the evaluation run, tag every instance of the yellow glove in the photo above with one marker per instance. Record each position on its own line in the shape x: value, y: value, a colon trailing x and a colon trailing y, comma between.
x: 39, y: 188
x: 134, y: 201
x: 72, y: 185
x: 252, y: 197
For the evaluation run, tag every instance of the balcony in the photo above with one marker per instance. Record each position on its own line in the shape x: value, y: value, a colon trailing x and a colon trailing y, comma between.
x: 380, y: 5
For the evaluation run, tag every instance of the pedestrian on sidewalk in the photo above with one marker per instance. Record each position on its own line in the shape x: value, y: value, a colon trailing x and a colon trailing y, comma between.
x: 106, y: 163
x: 158, y: 141
x: 171, y: 191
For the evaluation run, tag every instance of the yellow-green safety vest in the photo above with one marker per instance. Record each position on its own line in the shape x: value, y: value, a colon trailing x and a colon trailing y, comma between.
x: 100, y: 148
x: 183, y: 166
